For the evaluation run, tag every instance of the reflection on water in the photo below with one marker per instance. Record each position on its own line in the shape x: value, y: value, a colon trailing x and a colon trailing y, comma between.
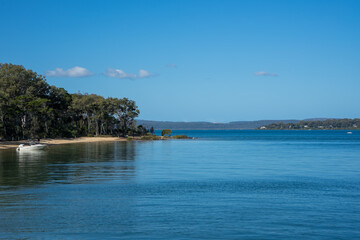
x: 26, y: 156
x: 262, y: 188
x: 77, y: 163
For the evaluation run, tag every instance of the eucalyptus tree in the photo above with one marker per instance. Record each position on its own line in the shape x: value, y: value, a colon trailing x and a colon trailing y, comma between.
x: 57, y: 121
x: 126, y: 111
x: 85, y: 107
x: 23, y: 95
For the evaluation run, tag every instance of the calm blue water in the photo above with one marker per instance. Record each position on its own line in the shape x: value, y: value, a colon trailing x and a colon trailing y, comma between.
x: 222, y: 185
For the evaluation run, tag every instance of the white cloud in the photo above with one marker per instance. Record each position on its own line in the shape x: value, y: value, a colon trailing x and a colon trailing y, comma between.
x: 72, y: 72
x: 144, y: 74
x: 171, y: 65
x: 262, y: 73
x: 118, y: 73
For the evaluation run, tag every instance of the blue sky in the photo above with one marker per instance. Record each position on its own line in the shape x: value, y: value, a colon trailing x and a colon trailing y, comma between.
x: 194, y: 60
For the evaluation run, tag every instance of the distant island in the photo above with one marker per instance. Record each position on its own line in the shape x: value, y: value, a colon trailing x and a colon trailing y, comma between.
x: 329, y: 124
x: 236, y: 125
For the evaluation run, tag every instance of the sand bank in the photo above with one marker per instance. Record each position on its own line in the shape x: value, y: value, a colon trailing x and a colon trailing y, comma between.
x: 15, y: 144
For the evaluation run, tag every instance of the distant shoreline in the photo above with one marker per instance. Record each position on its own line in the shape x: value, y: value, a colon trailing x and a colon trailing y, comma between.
x: 321, y: 123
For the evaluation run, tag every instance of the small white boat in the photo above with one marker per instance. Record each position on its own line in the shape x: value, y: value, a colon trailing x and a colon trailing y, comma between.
x: 37, y: 146
x: 349, y: 132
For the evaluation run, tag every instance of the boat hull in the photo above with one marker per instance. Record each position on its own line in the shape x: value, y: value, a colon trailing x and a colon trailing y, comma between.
x: 31, y: 147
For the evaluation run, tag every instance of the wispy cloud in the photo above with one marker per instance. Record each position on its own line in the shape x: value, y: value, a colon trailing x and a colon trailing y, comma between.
x: 72, y: 72
x: 118, y: 73
x: 144, y: 74
x: 262, y: 73
x: 171, y: 65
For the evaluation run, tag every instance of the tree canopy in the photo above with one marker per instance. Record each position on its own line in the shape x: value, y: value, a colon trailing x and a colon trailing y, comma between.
x: 31, y: 108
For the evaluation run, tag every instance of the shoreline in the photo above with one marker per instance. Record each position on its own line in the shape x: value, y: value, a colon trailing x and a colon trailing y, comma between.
x: 57, y: 141
x: 14, y: 144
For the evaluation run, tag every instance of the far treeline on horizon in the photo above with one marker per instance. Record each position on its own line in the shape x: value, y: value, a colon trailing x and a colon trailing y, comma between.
x: 316, y: 123
x: 31, y: 108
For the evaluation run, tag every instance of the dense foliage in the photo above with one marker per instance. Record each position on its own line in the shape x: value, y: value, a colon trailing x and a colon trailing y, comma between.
x: 31, y: 108
x: 326, y: 124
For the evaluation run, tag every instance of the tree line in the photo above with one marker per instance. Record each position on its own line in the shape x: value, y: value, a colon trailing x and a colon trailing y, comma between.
x: 31, y: 108
x: 348, y: 124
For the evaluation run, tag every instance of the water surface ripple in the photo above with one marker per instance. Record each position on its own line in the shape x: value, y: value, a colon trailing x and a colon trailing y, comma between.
x: 222, y: 185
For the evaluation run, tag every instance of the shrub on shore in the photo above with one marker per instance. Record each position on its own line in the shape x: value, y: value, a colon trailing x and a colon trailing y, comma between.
x: 180, y: 137
x: 166, y: 132
x: 154, y: 137
x: 150, y: 137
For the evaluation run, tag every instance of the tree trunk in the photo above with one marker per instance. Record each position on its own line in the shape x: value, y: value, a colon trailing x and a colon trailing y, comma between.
x: 96, y: 127
x: 89, y: 122
x: 4, y: 125
x: 23, y: 125
x: 102, y: 129
x: 124, y: 127
x: 46, y: 128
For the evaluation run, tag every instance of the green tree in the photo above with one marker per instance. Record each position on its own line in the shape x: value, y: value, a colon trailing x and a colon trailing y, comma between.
x: 126, y: 111
x: 165, y: 132
x: 23, y: 95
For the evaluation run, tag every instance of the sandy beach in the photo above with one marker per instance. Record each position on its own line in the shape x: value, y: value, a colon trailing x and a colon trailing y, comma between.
x: 15, y: 144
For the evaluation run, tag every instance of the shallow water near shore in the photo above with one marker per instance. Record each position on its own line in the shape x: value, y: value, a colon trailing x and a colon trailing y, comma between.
x: 222, y: 185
